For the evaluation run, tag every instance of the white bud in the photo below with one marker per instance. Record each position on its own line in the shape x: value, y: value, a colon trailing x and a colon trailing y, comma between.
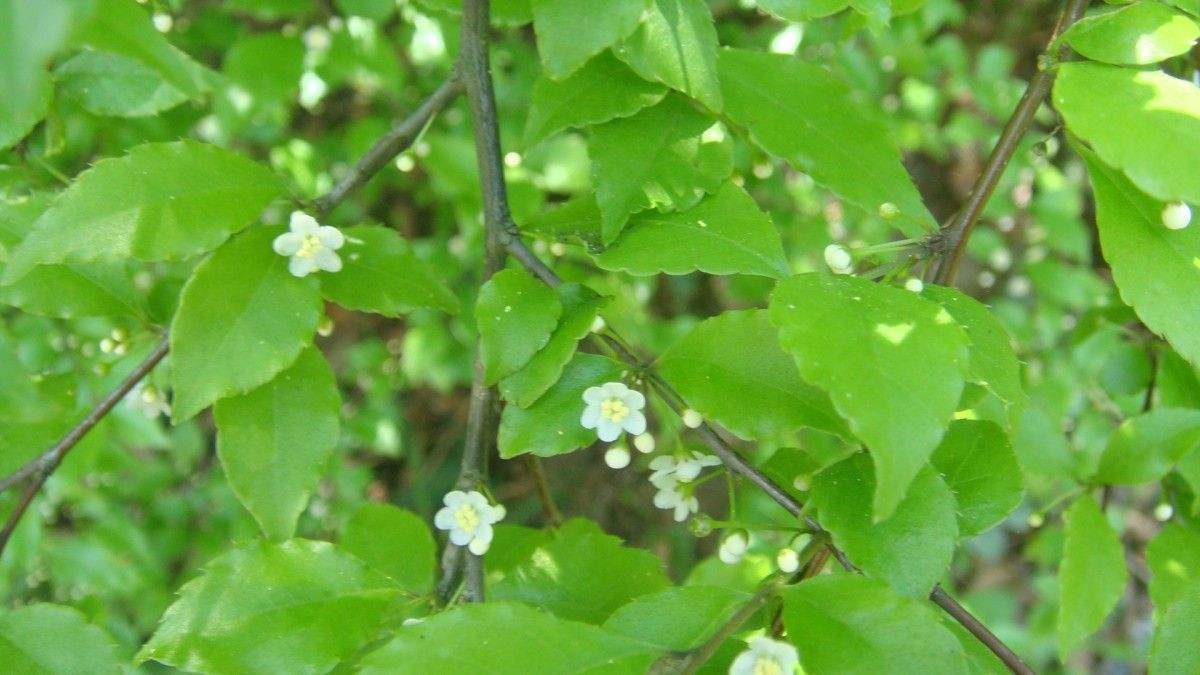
x: 1176, y: 216
x: 1019, y: 287
x: 325, y: 327
x: 736, y: 542
x: 617, y: 457
x: 644, y: 443
x: 1036, y: 520
x: 1163, y: 512
x: 558, y: 249
x: 788, y: 560
x: 412, y: 621
x: 914, y: 284
x: 598, y: 324
x: 692, y: 419
x: 838, y: 259
x: 888, y: 210
x: 801, y: 483
x: 1000, y: 259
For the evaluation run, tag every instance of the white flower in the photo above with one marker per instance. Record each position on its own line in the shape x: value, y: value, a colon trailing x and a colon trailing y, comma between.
x: 468, y: 517
x: 310, y: 245
x: 766, y: 657
x: 617, y: 457
x: 1163, y: 512
x: 149, y: 400
x: 914, y: 284
x: 733, y: 548
x: 682, y: 469
x: 692, y: 419
x: 838, y: 259
x: 671, y: 495
x: 598, y: 324
x: 788, y: 560
x: 1176, y: 216
x: 644, y: 443
x: 613, y: 408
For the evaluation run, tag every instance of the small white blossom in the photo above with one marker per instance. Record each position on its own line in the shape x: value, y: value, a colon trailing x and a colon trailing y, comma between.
x: 1000, y: 259
x: 788, y: 560
x: 644, y: 443
x: 914, y: 284
x: 1176, y: 216
x: 149, y: 400
x: 310, y: 245
x: 617, y: 457
x: 598, y: 324
x: 1163, y: 512
x: 684, y: 468
x: 613, y: 408
x: 838, y: 259
x: 733, y: 548
x: 692, y: 419
x: 766, y: 657
x: 673, y: 496
x: 468, y: 517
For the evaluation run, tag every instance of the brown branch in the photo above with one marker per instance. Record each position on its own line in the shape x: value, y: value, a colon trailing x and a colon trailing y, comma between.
x: 960, y: 227
x: 549, y: 509
x: 698, y: 657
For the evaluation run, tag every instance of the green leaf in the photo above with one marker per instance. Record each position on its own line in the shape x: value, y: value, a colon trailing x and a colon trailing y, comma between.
x: 380, y: 274
x: 1173, y: 557
x: 30, y: 33
x: 892, y: 362
x: 123, y: 27
x: 110, y: 84
x: 1135, y: 35
x: 1146, y: 447
x: 802, y: 10
x: 551, y: 425
x: 911, y: 550
x: 802, y: 114
x: 1135, y: 126
x: 580, y: 305
x: 602, y: 90
x: 678, y: 618
x: 1173, y: 651
x: 582, y: 575
x: 275, y: 441
x: 850, y: 624
x: 1092, y: 575
x: 242, y: 319
x: 578, y: 219
x: 297, y: 607
x: 993, y: 363
x: 44, y: 639
x: 504, y: 12
x: 725, y: 233
x: 569, y: 32
x: 1153, y: 267
x: 731, y: 369
x: 515, y: 315
x: 268, y: 66
x: 676, y: 44
x: 503, y: 638
x: 71, y: 291
x: 162, y: 201
x: 15, y: 125
x: 655, y: 158
x: 981, y: 469
x: 395, y: 542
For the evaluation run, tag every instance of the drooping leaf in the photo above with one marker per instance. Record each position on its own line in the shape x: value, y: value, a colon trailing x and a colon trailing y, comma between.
x: 580, y: 305
x: 582, y: 574
x: 551, y: 426
x: 676, y: 44
x: 298, y: 607
x: 1173, y: 557
x: 111, y: 84
x: 1092, y: 575
x: 515, y: 315
x: 1135, y: 126
x: 122, y: 27
x: 569, y: 32
x: 1136, y: 35
x: 981, y: 469
x: 1173, y: 651
x: 1152, y: 266
x: 802, y: 114
x: 600, y: 91
x: 911, y: 549
x: 500, y: 638
x: 395, y: 542
x: 656, y: 158
x: 851, y: 624
x: 380, y: 274
x: 44, y: 639
x: 242, y: 319
x: 162, y: 201
x: 678, y: 618
x: 1146, y: 447
x: 725, y: 233
x: 892, y: 362
x: 274, y: 441
x: 731, y: 369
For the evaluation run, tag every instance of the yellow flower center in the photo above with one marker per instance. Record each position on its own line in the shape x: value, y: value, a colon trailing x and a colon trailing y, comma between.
x: 309, y: 246
x: 765, y: 666
x: 467, y: 518
x: 614, y: 410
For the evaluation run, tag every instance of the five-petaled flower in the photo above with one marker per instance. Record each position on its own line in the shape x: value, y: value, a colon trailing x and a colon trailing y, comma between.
x: 613, y: 408
x: 468, y: 517
x: 766, y: 657
x: 310, y: 245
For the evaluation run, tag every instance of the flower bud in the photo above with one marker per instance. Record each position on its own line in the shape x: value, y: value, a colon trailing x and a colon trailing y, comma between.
x: 692, y: 419
x: 788, y: 560
x: 1176, y: 216
x: 644, y: 443
x: 617, y: 457
x: 838, y: 259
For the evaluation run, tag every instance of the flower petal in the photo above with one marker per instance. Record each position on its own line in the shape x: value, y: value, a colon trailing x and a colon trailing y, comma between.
x: 287, y: 243
x: 454, y: 498
x: 635, y: 399
x: 483, y: 533
x: 608, y: 431
x: 444, y: 518
x: 301, y: 267
x: 459, y: 537
x: 590, y: 417
x: 593, y: 395
x: 331, y: 236
x: 615, y: 390
x: 302, y: 223
x: 478, y: 546
x: 744, y: 663
x: 635, y: 423
x: 327, y: 260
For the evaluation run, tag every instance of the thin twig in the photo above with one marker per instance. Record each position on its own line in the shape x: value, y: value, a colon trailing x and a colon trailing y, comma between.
x: 960, y: 227
x: 699, y: 656
x: 549, y: 509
